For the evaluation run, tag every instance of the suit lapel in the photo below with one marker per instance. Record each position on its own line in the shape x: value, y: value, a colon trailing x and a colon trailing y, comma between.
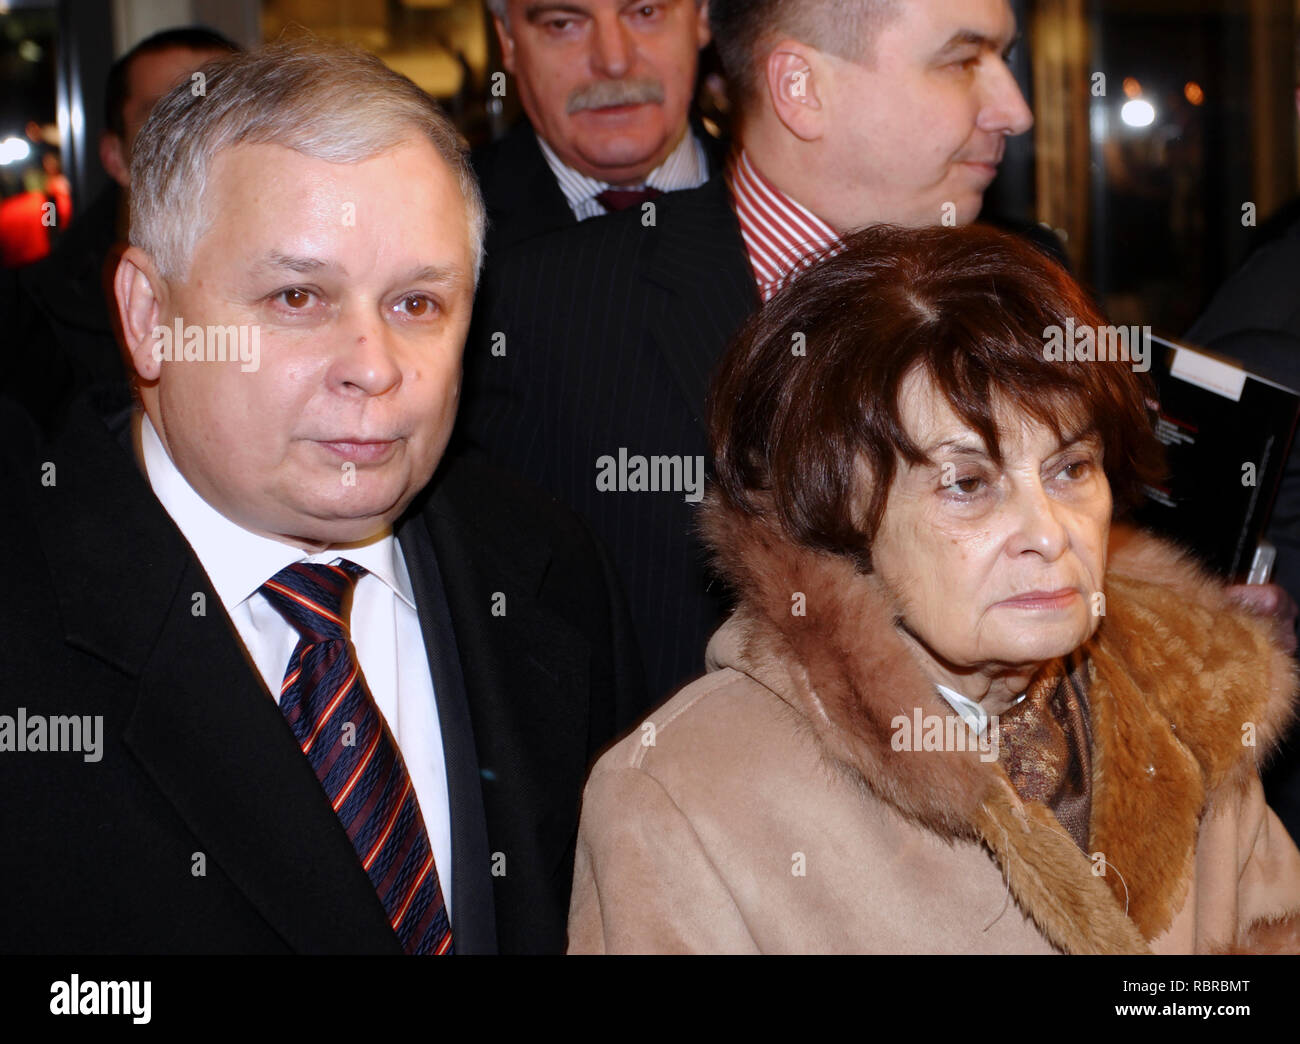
x: 521, y: 192
x: 473, y: 911
x: 204, y: 729
x: 697, y: 262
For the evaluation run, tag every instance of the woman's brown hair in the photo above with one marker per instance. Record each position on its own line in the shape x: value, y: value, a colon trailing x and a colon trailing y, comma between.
x: 809, y: 389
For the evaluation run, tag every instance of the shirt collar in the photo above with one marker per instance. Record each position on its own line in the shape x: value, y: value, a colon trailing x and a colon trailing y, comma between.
x: 782, y: 237
x: 239, y: 562
x: 685, y: 167
x: 971, y: 712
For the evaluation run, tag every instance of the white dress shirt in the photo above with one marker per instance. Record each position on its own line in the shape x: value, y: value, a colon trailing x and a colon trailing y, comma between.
x: 384, y: 623
x: 685, y: 167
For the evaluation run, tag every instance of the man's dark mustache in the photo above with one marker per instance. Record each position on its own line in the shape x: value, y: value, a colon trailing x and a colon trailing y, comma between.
x: 603, y: 94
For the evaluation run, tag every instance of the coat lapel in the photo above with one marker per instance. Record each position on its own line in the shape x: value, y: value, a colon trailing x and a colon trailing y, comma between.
x: 697, y: 263
x: 523, y: 198
x: 473, y: 911
x: 203, y: 728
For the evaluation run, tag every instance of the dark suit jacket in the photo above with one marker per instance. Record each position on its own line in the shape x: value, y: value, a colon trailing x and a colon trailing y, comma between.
x: 522, y: 196
x: 99, y: 618
x: 612, y: 331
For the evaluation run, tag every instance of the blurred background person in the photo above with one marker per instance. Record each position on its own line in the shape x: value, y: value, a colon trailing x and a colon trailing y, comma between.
x: 69, y: 294
x: 916, y: 518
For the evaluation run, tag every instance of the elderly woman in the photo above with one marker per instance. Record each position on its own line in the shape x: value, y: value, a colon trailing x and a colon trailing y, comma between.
x: 951, y: 713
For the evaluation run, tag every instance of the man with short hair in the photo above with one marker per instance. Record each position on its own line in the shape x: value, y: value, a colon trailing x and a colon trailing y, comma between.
x: 327, y: 705
x: 599, y: 342
x: 607, y: 87
x: 70, y: 291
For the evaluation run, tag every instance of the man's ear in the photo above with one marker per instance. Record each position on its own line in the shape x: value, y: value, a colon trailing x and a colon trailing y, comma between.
x: 703, y: 34
x: 141, y: 295
x: 112, y: 154
x: 791, y: 71
x: 507, y: 45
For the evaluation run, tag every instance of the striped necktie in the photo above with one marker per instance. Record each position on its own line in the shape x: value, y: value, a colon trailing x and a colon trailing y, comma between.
x: 327, y: 704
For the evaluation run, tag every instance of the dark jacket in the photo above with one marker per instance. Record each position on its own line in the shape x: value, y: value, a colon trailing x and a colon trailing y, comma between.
x: 612, y: 330
x: 523, y: 198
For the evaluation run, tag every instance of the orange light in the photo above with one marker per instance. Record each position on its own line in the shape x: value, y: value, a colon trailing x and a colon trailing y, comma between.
x: 1132, y: 89
x: 1193, y: 93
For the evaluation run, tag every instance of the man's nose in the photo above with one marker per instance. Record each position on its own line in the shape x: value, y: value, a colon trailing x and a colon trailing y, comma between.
x: 366, y: 362
x: 1004, y: 109
x: 612, y: 50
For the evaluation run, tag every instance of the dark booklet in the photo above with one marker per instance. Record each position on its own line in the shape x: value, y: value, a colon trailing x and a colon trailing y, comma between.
x: 1227, y: 433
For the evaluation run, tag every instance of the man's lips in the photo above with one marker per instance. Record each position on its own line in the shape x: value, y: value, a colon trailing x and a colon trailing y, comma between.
x: 1061, y: 598
x: 613, y: 110
x: 987, y: 167
x: 360, y: 451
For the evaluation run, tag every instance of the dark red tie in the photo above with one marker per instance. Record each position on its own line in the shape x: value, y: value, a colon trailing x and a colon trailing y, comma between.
x: 622, y: 199
x: 327, y: 704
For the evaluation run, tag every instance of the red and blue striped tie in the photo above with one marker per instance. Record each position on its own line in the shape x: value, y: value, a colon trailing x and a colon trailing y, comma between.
x: 327, y: 704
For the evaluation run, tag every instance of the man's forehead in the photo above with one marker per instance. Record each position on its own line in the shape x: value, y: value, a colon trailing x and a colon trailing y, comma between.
x: 940, y: 24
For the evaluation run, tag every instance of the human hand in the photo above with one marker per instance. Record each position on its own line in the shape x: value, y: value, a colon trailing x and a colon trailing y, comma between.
x: 1272, y: 601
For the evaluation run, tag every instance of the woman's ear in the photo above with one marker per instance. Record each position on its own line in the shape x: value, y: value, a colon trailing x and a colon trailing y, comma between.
x: 141, y: 294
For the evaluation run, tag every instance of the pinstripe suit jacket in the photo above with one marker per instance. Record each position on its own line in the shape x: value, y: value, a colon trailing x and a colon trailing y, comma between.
x: 611, y: 332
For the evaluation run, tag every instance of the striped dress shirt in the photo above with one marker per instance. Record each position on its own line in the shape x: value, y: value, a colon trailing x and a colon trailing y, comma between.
x: 686, y: 167
x: 782, y: 238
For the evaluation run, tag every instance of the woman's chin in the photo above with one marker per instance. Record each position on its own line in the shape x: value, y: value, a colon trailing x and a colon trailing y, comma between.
x: 1038, y: 644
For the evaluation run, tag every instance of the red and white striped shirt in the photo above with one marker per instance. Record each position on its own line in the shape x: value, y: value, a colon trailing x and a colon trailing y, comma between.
x: 781, y: 237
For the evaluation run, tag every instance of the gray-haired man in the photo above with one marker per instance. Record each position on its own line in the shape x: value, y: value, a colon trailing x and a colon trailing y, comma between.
x: 336, y: 707
x: 607, y: 88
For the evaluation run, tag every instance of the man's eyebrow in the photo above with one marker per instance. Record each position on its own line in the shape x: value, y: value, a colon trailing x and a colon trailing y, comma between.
x: 973, y: 38
x: 436, y: 274
x: 535, y: 11
x: 301, y: 265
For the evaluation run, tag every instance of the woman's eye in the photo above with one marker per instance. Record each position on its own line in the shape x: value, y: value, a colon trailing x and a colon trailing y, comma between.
x: 966, y: 485
x: 1077, y: 469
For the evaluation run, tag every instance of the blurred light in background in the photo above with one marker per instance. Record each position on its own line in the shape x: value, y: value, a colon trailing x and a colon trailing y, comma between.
x: 1138, y: 113
x: 13, y: 150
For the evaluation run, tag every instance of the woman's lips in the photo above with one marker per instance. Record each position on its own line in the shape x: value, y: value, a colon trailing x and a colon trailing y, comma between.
x: 369, y: 451
x: 1042, y: 600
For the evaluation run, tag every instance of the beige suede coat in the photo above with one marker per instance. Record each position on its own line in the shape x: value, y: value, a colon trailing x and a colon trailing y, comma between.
x: 764, y: 808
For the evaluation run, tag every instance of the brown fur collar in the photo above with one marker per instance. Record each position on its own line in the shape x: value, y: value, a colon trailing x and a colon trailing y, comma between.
x: 1177, y: 672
